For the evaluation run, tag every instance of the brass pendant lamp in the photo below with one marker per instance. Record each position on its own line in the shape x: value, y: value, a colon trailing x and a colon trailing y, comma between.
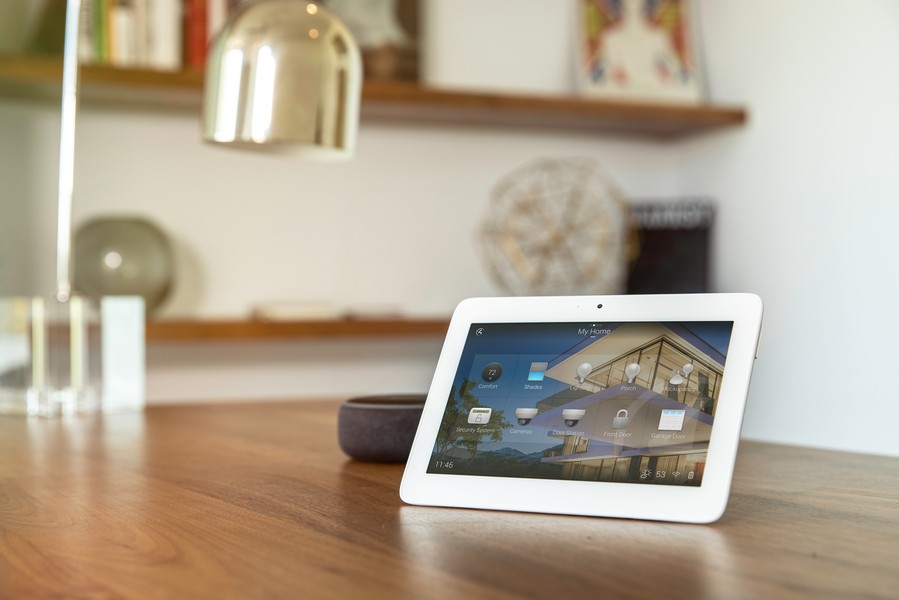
x: 284, y: 75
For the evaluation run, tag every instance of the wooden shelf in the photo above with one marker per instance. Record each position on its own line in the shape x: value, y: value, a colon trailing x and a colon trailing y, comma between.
x: 412, y: 102
x: 401, y: 101
x: 234, y: 330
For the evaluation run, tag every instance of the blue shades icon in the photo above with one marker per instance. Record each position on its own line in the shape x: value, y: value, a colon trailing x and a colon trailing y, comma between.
x: 537, y: 371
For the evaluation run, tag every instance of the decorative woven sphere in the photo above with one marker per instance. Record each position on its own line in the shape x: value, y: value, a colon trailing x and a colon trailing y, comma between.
x: 557, y: 227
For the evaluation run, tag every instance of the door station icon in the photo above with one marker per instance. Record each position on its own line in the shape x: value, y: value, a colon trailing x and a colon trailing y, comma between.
x: 621, y: 419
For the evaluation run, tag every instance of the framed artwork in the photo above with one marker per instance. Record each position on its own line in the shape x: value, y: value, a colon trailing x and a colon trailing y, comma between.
x: 638, y: 50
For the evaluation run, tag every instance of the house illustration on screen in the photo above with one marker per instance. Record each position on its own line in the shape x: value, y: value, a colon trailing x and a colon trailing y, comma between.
x: 648, y: 402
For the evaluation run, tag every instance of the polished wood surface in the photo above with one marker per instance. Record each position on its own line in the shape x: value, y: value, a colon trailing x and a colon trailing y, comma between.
x: 395, y: 100
x: 256, y: 500
x: 412, y: 102
x: 190, y: 330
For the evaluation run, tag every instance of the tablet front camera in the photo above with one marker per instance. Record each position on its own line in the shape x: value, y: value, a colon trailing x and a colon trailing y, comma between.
x: 573, y: 416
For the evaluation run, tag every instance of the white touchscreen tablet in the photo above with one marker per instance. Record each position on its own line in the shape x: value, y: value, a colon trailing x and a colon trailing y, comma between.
x: 619, y: 406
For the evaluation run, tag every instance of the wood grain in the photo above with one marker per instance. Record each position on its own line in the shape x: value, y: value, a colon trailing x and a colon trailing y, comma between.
x: 256, y: 500
x: 393, y: 100
x: 182, y: 330
x: 412, y: 102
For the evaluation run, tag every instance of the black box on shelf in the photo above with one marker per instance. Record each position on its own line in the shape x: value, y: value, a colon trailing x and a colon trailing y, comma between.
x: 672, y: 246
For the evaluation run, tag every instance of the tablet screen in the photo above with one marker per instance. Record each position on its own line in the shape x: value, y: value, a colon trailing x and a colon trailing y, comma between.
x: 621, y: 402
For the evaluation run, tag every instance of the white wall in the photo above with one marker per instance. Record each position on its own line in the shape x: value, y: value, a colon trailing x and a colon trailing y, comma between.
x: 809, y: 193
x: 807, y: 200
x: 395, y: 225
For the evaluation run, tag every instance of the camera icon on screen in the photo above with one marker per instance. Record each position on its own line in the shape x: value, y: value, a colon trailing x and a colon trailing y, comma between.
x: 524, y: 415
x: 573, y: 416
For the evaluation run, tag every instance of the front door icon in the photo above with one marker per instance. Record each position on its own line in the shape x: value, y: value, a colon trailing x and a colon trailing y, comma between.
x: 621, y: 419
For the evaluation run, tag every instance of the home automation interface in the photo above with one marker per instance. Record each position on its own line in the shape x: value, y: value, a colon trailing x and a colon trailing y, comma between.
x: 622, y: 402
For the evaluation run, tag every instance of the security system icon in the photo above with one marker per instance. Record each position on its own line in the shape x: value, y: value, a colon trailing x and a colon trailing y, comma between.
x: 479, y: 415
x: 621, y: 419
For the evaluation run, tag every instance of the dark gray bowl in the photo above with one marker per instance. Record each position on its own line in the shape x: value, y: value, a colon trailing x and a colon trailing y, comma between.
x: 379, y: 428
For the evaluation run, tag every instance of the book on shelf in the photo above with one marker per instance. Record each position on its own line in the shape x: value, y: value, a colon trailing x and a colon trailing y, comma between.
x: 288, y: 311
x: 195, y: 36
x: 217, y: 12
x: 139, y: 34
x: 124, y: 35
x: 166, y: 35
x: 86, y: 32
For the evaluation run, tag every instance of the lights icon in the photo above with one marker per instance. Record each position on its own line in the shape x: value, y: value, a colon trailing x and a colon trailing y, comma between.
x: 632, y: 370
x: 583, y: 371
x: 678, y: 379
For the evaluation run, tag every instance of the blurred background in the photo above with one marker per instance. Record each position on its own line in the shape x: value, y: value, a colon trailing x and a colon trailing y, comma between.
x: 800, y: 166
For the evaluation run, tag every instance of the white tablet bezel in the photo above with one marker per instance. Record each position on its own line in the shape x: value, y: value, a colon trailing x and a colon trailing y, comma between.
x: 695, y: 504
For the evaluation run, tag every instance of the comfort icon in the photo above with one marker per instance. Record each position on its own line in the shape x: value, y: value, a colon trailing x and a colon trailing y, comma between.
x: 621, y: 419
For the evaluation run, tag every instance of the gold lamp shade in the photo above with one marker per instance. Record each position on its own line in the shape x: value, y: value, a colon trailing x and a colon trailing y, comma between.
x: 284, y: 75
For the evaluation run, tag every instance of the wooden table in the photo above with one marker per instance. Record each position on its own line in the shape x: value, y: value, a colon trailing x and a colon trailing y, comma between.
x: 256, y: 500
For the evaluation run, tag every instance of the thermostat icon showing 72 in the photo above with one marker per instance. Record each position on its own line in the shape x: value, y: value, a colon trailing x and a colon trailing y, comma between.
x: 479, y: 415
